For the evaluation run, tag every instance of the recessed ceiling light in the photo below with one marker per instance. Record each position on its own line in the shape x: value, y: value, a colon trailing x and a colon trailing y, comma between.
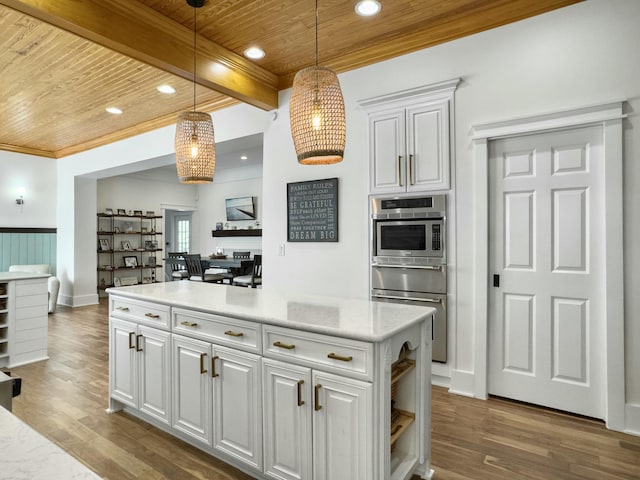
x: 367, y: 8
x: 243, y: 157
x: 114, y: 110
x: 254, y: 53
x: 168, y: 89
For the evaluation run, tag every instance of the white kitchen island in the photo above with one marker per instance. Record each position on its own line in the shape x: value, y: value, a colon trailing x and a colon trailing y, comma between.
x: 280, y: 386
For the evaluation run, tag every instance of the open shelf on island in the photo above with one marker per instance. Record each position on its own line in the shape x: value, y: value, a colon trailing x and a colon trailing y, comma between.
x: 399, y: 426
x: 401, y: 368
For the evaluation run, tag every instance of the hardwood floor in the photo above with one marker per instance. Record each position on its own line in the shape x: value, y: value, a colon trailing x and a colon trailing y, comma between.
x: 65, y: 399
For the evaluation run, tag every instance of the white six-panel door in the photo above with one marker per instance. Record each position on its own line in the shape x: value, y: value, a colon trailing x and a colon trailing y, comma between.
x: 546, y: 317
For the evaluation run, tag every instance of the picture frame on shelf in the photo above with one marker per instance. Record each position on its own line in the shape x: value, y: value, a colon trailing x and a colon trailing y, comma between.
x: 126, y: 245
x: 151, y: 213
x: 137, y: 213
x: 116, y: 282
x: 144, y: 230
x: 122, y: 211
x: 130, y: 261
x: 108, y: 211
x: 116, y: 229
x: 151, y: 261
x: 150, y: 245
x: 104, y: 245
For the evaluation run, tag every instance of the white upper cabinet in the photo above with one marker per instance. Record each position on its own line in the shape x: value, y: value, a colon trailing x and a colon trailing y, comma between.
x: 409, y: 139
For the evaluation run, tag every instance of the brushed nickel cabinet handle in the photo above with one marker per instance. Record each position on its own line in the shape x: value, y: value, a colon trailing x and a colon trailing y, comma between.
x: 231, y: 333
x: 189, y: 324
x: 151, y: 315
x: 300, y: 401
x: 286, y: 346
x: 202, y: 357
x: 131, y: 335
x: 316, y: 397
x: 399, y: 170
x: 123, y: 309
x: 411, y: 169
x: 340, y: 357
x: 138, y: 337
x: 213, y: 367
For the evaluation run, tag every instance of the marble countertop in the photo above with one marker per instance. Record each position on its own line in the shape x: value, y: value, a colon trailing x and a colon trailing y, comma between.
x: 349, y: 318
x: 27, y: 455
x: 7, y: 276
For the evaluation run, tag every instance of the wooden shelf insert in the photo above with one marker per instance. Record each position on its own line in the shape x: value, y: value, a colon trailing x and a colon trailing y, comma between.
x: 401, y: 425
x: 400, y: 369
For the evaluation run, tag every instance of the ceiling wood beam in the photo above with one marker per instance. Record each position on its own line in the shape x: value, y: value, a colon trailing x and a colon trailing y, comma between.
x: 132, y: 29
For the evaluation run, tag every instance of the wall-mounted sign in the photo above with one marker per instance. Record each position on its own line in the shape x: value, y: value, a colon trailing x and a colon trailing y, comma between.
x: 312, y: 211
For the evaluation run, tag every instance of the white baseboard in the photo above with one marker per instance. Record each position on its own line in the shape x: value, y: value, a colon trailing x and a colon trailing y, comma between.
x: 462, y: 383
x: 632, y: 419
x: 78, y: 301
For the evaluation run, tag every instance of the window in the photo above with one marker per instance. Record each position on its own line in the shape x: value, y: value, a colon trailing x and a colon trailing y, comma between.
x: 182, y: 231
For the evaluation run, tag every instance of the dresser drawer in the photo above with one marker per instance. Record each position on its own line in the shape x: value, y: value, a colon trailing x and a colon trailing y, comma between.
x: 138, y: 311
x: 218, y: 329
x: 343, y: 356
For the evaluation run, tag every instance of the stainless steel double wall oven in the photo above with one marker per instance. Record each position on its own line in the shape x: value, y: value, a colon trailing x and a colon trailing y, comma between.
x: 409, y: 257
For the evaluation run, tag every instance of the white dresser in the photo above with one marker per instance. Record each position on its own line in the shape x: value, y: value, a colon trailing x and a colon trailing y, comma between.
x: 280, y: 386
x: 23, y: 318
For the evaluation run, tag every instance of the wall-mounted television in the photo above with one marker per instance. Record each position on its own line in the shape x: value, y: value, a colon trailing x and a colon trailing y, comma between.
x: 241, y: 208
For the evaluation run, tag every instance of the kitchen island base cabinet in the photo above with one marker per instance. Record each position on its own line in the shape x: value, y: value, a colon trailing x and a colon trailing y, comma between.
x: 279, y: 402
x: 320, y: 416
x: 140, y: 372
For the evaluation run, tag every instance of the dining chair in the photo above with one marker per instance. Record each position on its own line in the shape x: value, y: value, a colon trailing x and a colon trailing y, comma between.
x: 196, y: 273
x: 255, y: 278
x: 178, y: 268
x: 233, y: 272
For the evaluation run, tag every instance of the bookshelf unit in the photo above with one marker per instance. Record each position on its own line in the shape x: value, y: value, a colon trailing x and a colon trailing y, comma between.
x: 129, y: 250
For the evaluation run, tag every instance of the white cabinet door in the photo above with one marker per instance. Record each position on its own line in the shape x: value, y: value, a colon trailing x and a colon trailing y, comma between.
x: 428, y: 146
x: 287, y: 420
x: 410, y: 146
x: 191, y: 388
x: 154, y: 357
x: 123, y: 376
x: 387, y: 151
x: 237, y: 406
x: 342, y: 428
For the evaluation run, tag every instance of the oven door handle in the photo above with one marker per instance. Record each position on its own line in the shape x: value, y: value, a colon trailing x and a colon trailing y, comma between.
x: 414, y: 299
x: 420, y: 267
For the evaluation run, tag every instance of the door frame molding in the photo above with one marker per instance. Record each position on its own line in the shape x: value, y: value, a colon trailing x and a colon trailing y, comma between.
x: 609, y: 116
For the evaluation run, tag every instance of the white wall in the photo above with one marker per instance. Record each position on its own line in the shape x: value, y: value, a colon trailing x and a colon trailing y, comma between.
x: 579, y: 55
x: 37, y: 175
x: 228, y: 184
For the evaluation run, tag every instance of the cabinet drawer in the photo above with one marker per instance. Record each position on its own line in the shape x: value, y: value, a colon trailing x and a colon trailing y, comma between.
x: 218, y: 329
x: 343, y: 356
x: 146, y: 313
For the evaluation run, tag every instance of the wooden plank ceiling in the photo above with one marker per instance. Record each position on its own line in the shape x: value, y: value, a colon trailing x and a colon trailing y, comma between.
x: 63, y: 63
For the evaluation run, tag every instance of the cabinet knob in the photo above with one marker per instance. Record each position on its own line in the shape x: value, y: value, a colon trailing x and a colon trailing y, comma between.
x: 138, y: 337
x: 189, y: 324
x: 123, y: 309
x: 131, y: 344
x: 399, y: 170
x: 151, y: 315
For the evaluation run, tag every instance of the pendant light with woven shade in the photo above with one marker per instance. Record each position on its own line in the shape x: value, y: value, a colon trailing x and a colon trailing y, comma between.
x: 317, y: 116
x: 195, y: 141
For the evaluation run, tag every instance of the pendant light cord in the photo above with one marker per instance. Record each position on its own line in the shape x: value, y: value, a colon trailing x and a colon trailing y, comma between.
x: 316, y: 33
x: 194, y: 57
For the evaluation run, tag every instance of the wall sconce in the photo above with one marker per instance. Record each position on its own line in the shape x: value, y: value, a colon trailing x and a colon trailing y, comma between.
x: 21, y: 192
